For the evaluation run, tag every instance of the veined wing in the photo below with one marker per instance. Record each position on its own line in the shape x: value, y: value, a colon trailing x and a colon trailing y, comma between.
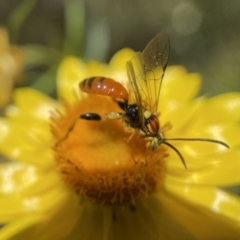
x: 135, y: 90
x: 146, y: 71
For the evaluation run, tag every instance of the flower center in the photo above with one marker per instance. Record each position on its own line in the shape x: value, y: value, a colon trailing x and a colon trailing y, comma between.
x: 97, y: 162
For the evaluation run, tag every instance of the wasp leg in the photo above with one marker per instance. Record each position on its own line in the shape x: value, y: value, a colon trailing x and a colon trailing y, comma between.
x: 132, y: 131
x: 151, y: 144
x: 113, y: 116
x: 85, y: 116
x: 69, y: 130
x: 135, y: 161
x: 97, y: 117
x: 128, y: 129
x: 91, y: 116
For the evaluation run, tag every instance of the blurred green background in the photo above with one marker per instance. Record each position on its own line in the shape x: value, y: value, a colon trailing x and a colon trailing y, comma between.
x: 204, y: 35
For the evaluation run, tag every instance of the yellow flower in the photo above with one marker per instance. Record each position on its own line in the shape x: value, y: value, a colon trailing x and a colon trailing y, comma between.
x: 160, y: 200
x: 11, y: 64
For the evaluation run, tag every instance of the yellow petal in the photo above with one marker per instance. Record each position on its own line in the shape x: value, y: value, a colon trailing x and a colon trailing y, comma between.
x: 70, y: 72
x: 225, y: 133
x: 175, y: 81
x: 148, y: 221
x: 221, y: 109
x: 17, y: 228
x: 95, y: 222
x: 44, y: 226
x: 214, y: 199
x: 64, y: 218
x: 119, y: 59
x: 22, y: 140
x: 33, y: 103
x: 197, y: 156
x: 26, y: 179
x: 155, y: 218
x: 223, y: 171
x: 25, y: 142
x: 14, y: 177
x: 96, y: 69
x: 5, y: 129
x: 196, y: 220
x: 180, y: 118
x: 27, y: 189
x: 11, y: 64
x: 13, y: 206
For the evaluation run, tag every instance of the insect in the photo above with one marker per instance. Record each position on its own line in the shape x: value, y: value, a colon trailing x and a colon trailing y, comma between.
x: 145, y: 74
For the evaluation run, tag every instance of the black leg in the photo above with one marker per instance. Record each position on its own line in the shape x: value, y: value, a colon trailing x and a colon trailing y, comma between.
x: 91, y: 116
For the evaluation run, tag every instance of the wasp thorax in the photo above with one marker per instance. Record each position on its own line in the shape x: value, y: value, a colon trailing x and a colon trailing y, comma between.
x: 151, y: 123
x: 98, y: 163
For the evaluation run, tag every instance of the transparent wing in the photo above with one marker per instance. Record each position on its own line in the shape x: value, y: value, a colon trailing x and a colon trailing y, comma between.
x: 146, y: 71
x: 135, y: 90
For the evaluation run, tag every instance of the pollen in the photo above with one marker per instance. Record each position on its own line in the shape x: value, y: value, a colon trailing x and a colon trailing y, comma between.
x: 97, y: 162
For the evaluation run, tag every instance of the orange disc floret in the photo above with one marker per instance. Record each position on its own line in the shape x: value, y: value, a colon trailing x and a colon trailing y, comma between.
x: 97, y: 162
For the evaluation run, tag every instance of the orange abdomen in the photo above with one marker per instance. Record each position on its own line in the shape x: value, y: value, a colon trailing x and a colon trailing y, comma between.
x: 104, y: 86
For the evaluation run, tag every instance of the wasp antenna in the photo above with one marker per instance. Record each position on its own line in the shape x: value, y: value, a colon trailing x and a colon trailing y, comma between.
x: 68, y: 132
x: 178, y: 153
x: 199, y: 139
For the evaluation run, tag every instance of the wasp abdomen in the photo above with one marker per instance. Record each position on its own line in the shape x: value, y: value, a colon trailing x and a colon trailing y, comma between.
x: 104, y: 86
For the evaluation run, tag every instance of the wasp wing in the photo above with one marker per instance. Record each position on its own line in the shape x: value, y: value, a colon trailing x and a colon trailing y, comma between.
x: 146, y: 71
x: 135, y: 89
